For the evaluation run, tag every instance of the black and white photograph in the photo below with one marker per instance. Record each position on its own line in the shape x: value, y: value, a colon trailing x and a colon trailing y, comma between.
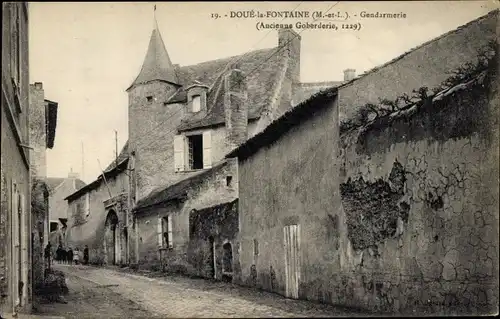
x: 250, y: 159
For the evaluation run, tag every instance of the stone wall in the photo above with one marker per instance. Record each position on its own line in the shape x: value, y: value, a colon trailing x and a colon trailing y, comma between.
x: 211, y: 229
x: 420, y: 207
x: 211, y: 191
x: 39, y: 214
x: 89, y: 230
x: 38, y: 131
x: 434, y: 59
x: 14, y: 159
x: 294, y: 181
x: 152, y: 126
x: 58, y: 207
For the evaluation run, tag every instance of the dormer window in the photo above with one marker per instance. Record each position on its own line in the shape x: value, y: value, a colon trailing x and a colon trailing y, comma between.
x: 150, y: 99
x: 196, y: 103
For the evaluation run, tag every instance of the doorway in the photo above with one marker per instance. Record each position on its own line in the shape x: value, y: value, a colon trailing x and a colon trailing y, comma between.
x: 211, y: 257
x: 292, y: 260
x: 227, y: 262
x: 111, y: 238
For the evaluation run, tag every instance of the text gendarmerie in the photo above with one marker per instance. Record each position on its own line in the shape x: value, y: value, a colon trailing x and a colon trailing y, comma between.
x: 382, y: 15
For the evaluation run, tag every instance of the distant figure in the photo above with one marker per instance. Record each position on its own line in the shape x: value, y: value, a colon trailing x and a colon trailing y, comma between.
x: 70, y: 256
x: 59, y: 254
x: 64, y: 257
x: 47, y: 254
x: 86, y: 255
x: 76, y: 255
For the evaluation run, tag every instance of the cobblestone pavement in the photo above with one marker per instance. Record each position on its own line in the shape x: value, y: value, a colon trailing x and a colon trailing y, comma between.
x: 87, y: 299
x: 186, y: 297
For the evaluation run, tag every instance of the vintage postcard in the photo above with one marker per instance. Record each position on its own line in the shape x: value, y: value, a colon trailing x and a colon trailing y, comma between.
x: 249, y: 159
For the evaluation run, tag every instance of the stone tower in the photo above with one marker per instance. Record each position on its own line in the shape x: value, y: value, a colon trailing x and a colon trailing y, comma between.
x: 152, y: 122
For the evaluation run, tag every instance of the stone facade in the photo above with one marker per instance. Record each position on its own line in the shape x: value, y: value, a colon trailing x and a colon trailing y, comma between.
x: 205, y: 190
x: 399, y: 214
x: 15, y: 247
x: 88, y: 211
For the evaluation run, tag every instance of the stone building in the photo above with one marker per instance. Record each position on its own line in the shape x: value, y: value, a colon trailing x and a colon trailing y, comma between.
x: 97, y: 205
x: 42, y: 127
x: 59, y: 188
x: 395, y: 211
x: 15, y: 213
x: 182, y: 121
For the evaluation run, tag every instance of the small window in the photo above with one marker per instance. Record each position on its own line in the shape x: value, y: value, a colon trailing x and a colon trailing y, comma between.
x: 149, y: 98
x: 195, y: 155
x: 229, y: 179
x: 255, y: 247
x: 196, y: 103
x: 87, y: 205
x: 167, y: 241
x: 53, y: 226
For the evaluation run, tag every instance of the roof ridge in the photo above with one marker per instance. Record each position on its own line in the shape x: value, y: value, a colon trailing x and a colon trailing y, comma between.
x: 399, y: 57
x: 227, y: 58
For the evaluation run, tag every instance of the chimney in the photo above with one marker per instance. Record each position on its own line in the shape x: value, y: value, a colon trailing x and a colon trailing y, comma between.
x: 236, y: 108
x: 349, y: 74
x: 289, y: 44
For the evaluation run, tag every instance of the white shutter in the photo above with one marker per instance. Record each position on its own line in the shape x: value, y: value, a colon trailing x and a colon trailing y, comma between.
x: 87, y: 204
x: 25, y: 234
x: 207, y: 149
x: 179, y: 153
x: 159, y: 231
x: 15, y: 215
x: 169, y: 229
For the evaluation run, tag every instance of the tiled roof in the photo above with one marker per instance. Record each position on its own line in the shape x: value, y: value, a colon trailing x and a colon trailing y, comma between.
x: 121, y: 157
x: 176, y: 191
x: 261, y: 68
x: 157, y: 64
x: 122, y: 166
x: 54, y: 182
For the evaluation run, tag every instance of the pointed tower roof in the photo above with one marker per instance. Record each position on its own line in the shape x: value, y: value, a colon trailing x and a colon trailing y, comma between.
x: 157, y: 64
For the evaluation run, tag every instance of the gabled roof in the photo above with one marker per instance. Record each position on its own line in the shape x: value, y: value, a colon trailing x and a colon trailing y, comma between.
x: 122, y: 166
x: 121, y: 157
x: 54, y: 182
x: 261, y: 69
x: 176, y: 191
x: 157, y: 64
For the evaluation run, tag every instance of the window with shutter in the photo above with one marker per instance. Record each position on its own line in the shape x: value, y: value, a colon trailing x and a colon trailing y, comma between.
x: 207, y: 149
x: 170, y: 243
x: 179, y: 153
x: 87, y: 204
x: 160, y: 232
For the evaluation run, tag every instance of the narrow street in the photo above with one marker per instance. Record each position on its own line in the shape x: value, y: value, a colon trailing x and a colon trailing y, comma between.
x: 108, y: 293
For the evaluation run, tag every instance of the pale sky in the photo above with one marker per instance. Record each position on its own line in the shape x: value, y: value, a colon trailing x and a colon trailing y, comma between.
x: 87, y: 54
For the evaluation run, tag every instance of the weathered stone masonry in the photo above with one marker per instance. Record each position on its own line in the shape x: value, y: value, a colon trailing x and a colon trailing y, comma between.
x: 420, y: 197
x: 199, y: 193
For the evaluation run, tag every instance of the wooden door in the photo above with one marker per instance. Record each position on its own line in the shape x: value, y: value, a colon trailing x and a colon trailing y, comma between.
x: 292, y: 260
